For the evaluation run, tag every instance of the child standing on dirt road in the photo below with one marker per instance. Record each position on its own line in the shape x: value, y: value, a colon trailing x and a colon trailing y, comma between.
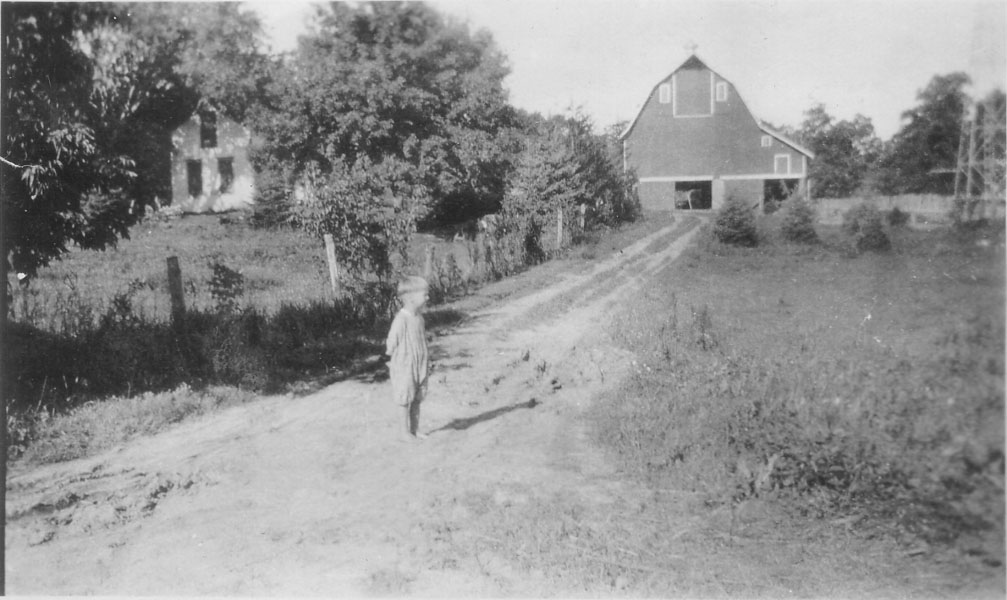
x: 406, y: 346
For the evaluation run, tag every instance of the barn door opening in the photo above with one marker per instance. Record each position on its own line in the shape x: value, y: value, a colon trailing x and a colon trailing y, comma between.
x: 693, y: 195
x: 775, y: 192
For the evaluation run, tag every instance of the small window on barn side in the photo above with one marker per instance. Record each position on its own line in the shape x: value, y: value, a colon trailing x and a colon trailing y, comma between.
x: 664, y: 93
x: 194, y: 171
x: 767, y: 141
x: 722, y: 91
x: 225, y: 166
x: 208, y: 129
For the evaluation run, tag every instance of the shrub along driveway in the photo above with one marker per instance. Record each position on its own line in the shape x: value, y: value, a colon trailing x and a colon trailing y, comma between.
x: 322, y: 495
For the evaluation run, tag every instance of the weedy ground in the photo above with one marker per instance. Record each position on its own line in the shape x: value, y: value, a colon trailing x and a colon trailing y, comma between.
x: 793, y: 396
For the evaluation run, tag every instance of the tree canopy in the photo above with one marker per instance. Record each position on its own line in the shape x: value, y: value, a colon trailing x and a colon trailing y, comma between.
x: 92, y: 92
x: 928, y: 141
x: 389, y: 80
x: 844, y: 151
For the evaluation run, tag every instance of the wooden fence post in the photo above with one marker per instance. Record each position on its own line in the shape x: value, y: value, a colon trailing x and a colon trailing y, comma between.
x: 428, y: 265
x: 176, y: 293
x: 559, y: 228
x: 330, y: 254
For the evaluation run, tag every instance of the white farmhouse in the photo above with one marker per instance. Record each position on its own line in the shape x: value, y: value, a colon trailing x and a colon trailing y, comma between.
x: 210, y: 171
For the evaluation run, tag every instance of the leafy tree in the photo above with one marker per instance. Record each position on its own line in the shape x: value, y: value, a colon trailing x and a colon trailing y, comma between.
x: 370, y: 208
x: 179, y: 55
x: 564, y: 165
x: 389, y: 80
x: 928, y: 140
x: 64, y: 180
x: 844, y: 151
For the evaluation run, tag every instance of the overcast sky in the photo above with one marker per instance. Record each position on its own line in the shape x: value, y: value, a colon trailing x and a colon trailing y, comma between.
x: 783, y: 56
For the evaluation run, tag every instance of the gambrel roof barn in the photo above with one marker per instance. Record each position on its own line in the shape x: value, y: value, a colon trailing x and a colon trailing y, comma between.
x: 694, y: 143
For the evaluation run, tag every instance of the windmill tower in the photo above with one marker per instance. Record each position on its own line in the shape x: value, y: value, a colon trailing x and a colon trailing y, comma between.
x: 981, y: 172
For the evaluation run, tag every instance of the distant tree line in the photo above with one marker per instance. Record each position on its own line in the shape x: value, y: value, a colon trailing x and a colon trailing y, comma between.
x: 919, y: 159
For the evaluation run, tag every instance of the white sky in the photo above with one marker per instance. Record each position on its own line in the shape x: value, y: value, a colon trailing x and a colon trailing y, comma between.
x: 604, y: 56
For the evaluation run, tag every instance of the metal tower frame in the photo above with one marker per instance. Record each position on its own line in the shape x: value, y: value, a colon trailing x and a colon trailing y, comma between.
x: 980, y: 175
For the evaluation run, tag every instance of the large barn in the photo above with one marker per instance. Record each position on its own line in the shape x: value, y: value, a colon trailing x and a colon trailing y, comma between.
x: 694, y: 143
x: 210, y: 170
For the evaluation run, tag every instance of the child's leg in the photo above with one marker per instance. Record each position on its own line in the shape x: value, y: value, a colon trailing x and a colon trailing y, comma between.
x: 413, y: 410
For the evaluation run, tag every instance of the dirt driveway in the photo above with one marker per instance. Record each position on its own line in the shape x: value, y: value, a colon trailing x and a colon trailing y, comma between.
x: 321, y: 495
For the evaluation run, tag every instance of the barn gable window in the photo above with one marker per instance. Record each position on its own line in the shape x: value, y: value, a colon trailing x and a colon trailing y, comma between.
x: 692, y: 93
x: 767, y: 141
x: 664, y: 93
x: 722, y: 91
x: 207, y: 129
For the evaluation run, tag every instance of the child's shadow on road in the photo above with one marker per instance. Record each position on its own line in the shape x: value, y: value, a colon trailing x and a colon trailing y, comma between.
x: 461, y: 424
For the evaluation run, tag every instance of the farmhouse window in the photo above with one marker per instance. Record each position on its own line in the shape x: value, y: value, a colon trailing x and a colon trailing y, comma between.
x: 722, y: 91
x: 208, y: 129
x: 781, y: 164
x: 664, y: 93
x: 195, y: 173
x: 225, y: 166
x: 767, y: 141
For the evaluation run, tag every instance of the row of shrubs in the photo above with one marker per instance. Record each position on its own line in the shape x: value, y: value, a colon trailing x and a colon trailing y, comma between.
x: 863, y: 225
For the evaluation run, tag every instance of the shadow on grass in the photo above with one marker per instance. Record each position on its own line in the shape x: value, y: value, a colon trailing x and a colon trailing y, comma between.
x: 462, y: 424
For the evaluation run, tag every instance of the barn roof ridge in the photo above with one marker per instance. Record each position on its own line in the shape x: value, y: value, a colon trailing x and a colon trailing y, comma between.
x: 694, y: 62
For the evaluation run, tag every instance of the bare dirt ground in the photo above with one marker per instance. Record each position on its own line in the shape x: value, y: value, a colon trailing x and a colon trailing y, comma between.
x: 323, y: 495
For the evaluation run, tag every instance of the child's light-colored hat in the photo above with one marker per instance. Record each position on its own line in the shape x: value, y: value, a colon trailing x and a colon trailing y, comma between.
x: 412, y: 284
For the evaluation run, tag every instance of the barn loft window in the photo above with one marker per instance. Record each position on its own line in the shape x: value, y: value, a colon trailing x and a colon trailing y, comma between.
x: 194, y: 170
x: 781, y: 164
x: 767, y: 141
x: 692, y: 93
x: 208, y: 129
x: 722, y: 91
x: 664, y: 93
x: 225, y: 166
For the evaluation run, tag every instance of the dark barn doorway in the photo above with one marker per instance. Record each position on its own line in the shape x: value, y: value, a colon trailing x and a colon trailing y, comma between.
x: 775, y: 192
x: 693, y: 195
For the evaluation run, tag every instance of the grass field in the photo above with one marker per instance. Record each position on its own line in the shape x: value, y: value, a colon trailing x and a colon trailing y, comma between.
x: 869, y: 385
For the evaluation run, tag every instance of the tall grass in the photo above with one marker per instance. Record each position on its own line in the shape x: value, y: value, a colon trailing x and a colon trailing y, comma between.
x: 872, y: 384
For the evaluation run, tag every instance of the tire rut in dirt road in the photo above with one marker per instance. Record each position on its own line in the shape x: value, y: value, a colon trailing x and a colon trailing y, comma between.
x: 320, y: 495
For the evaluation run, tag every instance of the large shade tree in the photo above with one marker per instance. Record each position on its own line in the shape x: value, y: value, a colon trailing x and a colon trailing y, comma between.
x: 927, y: 144
x: 844, y: 151
x: 389, y: 81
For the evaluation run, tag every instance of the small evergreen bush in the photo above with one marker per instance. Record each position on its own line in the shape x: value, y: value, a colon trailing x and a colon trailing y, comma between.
x: 898, y: 217
x: 864, y: 225
x: 735, y: 223
x: 798, y: 222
